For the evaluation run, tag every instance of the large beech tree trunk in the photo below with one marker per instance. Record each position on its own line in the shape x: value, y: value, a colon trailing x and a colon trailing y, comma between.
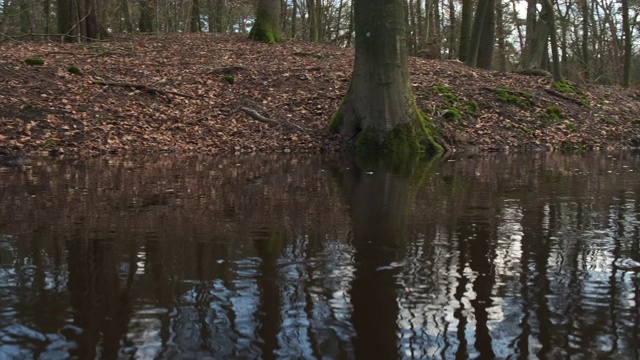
x: 267, y: 25
x: 379, y: 110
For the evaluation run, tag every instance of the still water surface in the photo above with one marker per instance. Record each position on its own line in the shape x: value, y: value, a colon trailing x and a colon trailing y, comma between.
x: 496, y: 256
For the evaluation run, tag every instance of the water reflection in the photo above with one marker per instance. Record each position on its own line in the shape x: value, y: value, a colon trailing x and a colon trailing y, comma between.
x: 494, y: 256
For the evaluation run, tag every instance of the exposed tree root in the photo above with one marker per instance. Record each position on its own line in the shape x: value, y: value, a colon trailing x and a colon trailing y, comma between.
x: 254, y: 114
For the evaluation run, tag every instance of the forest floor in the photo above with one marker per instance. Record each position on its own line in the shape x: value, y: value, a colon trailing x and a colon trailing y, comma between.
x: 206, y: 93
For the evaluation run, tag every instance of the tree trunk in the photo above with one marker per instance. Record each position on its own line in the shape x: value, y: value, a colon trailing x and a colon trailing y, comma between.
x: 379, y: 109
x: 126, y: 15
x: 474, y: 43
x: 502, y: 56
x: 266, y: 26
x: 313, y: 21
x: 466, y: 21
x: 294, y: 17
x: 220, y: 20
x: 436, y: 41
x: 536, y: 44
x: 557, y: 72
x: 411, y: 23
x: 92, y: 25
x: 66, y: 19
x: 25, y: 17
x: 584, y: 46
x: 147, y: 14
x: 195, y: 25
x: 46, y: 8
x: 530, y: 30
x: 452, y: 30
x: 487, y: 37
x: 626, y: 28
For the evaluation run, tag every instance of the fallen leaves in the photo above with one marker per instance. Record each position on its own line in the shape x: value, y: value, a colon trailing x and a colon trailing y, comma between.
x: 170, y: 94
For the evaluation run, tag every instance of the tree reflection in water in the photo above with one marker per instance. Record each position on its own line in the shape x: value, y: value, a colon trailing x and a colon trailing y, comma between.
x: 505, y: 256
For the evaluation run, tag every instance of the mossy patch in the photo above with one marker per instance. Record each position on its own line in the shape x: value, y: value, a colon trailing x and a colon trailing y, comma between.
x: 33, y: 61
x: 74, y: 70
x: 564, y: 86
x: 400, y: 141
x: 50, y: 143
x: 571, y: 126
x: 452, y: 114
x: 636, y: 121
x: 28, y: 108
x: 456, y: 110
x: 403, y: 140
x: 229, y: 79
x: 521, y: 99
x: 552, y: 114
x: 445, y: 92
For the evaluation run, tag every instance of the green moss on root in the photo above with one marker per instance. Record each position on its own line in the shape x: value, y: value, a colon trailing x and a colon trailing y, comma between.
x: 402, y: 140
x: 563, y: 86
x: 337, y: 121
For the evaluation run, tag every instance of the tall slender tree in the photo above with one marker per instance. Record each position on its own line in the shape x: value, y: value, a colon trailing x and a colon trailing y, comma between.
x: 379, y: 110
x: 628, y: 42
x: 466, y: 21
x: 557, y: 72
x: 195, y: 25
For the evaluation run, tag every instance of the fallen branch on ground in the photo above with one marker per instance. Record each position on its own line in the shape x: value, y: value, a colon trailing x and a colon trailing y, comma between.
x: 143, y: 88
x: 227, y: 70
x: 254, y: 114
x: 555, y: 93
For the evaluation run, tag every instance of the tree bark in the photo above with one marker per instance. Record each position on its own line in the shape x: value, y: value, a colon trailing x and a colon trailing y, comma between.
x: 533, y: 56
x: 584, y: 46
x: 478, y: 23
x: 195, y: 25
x: 266, y: 27
x: 466, y: 21
x: 557, y: 72
x: 26, y: 27
x: 500, y: 37
x: 379, y: 109
x: 452, y: 30
x: 626, y: 28
x: 66, y: 19
x: 530, y: 29
x: 487, y: 37
x: 147, y: 15
x: 313, y: 21
x: 294, y: 17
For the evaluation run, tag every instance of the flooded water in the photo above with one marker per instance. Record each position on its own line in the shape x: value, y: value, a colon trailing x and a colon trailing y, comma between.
x: 496, y: 256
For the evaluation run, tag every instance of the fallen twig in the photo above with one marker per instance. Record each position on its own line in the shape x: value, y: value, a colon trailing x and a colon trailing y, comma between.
x: 142, y: 87
x: 254, y: 114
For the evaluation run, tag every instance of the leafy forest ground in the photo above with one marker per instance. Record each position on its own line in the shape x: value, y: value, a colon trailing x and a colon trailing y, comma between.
x: 208, y: 93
